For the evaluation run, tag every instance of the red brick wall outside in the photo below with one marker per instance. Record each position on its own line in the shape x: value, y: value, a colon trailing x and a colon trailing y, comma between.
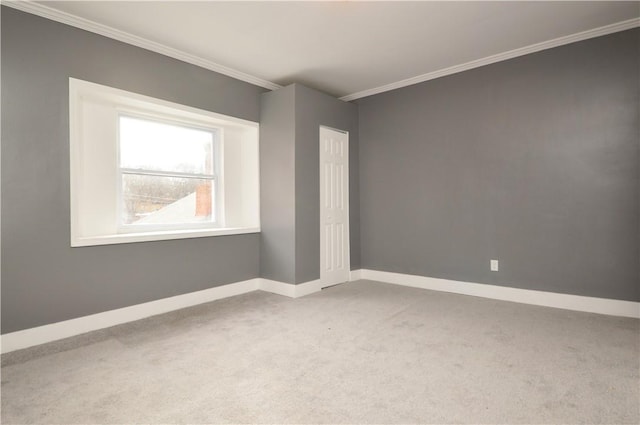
x: 203, y: 200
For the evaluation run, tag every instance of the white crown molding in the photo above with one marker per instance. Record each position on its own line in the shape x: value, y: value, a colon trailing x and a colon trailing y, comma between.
x: 506, y: 293
x: 66, y: 18
x: 556, y: 42
x: 107, y: 31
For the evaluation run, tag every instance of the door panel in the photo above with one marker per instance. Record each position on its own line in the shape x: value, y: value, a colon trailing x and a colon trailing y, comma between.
x: 334, y: 207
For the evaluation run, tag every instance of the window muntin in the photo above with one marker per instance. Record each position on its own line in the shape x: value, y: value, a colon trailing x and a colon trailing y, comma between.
x: 168, y: 175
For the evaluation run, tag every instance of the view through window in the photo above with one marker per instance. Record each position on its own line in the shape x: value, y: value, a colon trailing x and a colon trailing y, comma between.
x: 167, y: 173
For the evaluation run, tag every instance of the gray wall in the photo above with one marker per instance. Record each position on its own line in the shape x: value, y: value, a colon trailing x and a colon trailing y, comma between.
x: 277, y: 185
x: 43, y: 279
x: 533, y: 161
x: 290, y: 180
x: 313, y: 109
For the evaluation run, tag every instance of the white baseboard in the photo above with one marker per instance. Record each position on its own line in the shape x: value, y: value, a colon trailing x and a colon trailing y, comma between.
x: 288, y: 289
x: 355, y: 275
x: 299, y: 290
x: 55, y: 331
x: 276, y: 287
x: 307, y: 288
x: 524, y: 296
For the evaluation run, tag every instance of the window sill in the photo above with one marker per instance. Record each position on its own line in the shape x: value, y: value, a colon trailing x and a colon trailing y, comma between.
x: 159, y: 236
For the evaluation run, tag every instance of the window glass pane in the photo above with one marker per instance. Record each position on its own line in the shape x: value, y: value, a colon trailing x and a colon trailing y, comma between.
x: 152, y: 145
x: 166, y: 200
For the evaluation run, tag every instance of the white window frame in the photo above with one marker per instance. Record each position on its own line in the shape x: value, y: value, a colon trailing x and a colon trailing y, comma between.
x: 236, y: 168
x: 218, y: 216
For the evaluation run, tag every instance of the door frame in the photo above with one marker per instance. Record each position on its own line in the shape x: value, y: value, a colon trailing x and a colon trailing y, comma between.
x: 347, y: 256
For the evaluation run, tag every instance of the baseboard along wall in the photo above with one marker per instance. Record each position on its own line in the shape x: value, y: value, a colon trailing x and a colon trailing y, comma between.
x: 505, y: 293
x: 68, y: 328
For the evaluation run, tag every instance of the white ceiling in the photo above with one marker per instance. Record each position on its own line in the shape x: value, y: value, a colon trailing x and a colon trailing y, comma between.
x: 349, y: 48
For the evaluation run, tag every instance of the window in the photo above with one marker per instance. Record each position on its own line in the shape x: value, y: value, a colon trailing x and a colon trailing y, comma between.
x: 144, y: 169
x: 167, y: 175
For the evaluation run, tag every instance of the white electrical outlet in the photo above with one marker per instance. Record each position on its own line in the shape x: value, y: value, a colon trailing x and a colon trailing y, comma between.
x: 494, y: 265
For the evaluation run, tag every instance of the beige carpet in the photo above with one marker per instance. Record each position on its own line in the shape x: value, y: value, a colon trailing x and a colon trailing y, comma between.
x: 357, y: 353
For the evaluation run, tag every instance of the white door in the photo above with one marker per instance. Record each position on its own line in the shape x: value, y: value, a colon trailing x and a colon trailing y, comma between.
x: 334, y: 207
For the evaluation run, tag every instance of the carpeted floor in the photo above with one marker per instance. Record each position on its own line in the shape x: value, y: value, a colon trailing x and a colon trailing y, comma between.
x: 362, y: 352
